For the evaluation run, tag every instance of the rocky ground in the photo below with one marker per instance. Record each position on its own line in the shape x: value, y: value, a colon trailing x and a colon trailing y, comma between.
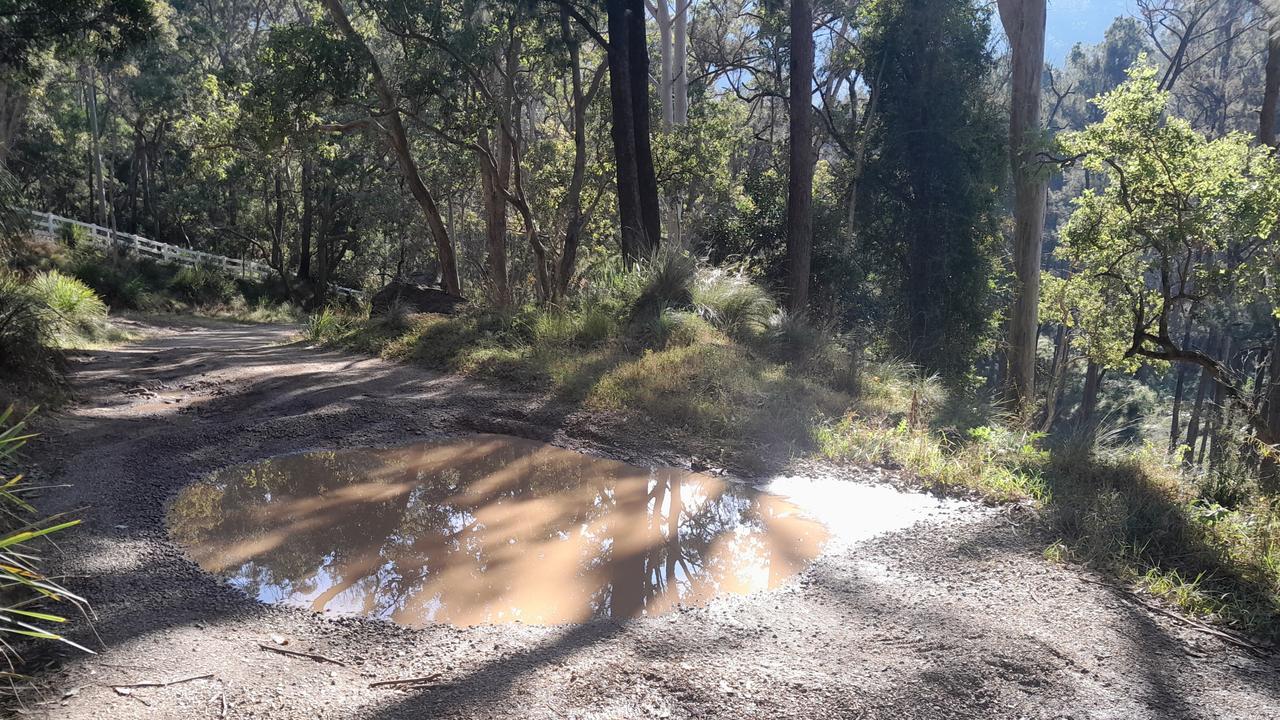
x: 956, y: 618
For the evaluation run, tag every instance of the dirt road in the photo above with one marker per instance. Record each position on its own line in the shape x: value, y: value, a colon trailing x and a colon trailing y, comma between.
x: 958, y: 619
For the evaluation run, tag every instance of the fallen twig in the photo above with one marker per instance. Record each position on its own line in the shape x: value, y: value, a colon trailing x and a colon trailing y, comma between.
x: 1191, y: 622
x: 406, y: 681
x: 1197, y: 625
x: 295, y: 653
x: 158, y: 683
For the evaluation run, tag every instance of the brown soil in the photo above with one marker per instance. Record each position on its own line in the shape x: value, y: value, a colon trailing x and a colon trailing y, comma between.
x: 958, y: 618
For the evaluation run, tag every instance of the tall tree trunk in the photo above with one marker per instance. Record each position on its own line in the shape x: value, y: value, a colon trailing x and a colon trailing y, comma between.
x: 680, y: 61
x: 496, y: 176
x: 637, y: 185
x: 99, y: 194
x: 404, y: 156
x: 801, y: 157
x: 647, y: 176
x: 573, y: 227
x: 495, y: 213
x: 1270, y: 469
x: 13, y: 108
x: 1024, y: 22
x: 277, y: 227
x: 1057, y: 377
x: 307, y: 223
x: 1197, y: 410
x: 666, y: 84
x: 1175, y: 425
x: 135, y: 168
x: 1085, y: 421
x: 631, y: 224
x: 1270, y: 89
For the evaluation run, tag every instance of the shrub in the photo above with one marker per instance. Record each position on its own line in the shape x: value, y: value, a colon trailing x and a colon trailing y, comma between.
x: 203, y: 285
x: 120, y: 283
x: 73, y: 236
x: 25, y: 334
x: 993, y: 461
x: 327, y: 325
x: 584, y: 327
x: 74, y: 307
x: 665, y: 281
x: 732, y: 302
x: 395, y: 318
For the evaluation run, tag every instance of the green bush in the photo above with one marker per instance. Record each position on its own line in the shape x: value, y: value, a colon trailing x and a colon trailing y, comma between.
x: 665, y: 281
x: 327, y: 325
x: 203, y: 285
x: 120, y: 283
x: 73, y: 236
x: 73, y: 306
x: 732, y: 302
x: 25, y: 335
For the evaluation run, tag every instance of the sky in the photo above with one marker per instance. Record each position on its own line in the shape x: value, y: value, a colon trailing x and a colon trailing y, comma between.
x: 1073, y: 21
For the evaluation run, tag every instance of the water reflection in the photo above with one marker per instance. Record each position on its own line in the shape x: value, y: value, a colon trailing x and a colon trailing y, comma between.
x: 487, y: 529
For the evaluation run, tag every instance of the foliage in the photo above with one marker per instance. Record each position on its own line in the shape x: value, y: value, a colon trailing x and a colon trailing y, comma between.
x: 732, y: 302
x: 72, y: 305
x: 993, y: 461
x: 25, y: 335
x: 203, y: 285
x: 928, y: 202
x: 29, y: 27
x: 1135, y: 513
x: 665, y: 281
x: 1181, y: 217
x: 25, y: 590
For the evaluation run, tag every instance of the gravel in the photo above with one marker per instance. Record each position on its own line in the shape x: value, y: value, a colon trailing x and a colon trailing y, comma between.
x: 959, y: 617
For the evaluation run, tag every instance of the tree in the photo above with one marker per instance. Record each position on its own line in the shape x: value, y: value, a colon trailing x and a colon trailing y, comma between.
x: 1024, y: 22
x: 98, y: 28
x: 1181, y: 220
x: 800, y: 157
x: 928, y: 202
x: 390, y: 113
x: 628, y: 57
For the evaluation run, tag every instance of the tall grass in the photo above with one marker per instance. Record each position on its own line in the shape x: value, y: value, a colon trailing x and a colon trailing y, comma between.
x: 71, y: 306
x: 27, y: 593
x: 732, y: 302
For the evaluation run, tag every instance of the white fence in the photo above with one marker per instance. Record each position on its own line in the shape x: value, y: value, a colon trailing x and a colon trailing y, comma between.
x: 50, y: 225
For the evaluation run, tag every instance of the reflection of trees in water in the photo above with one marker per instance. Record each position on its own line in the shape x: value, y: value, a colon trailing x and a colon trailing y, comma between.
x: 426, y: 532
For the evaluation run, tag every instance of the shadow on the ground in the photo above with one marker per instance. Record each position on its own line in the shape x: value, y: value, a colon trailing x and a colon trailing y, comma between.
x: 127, y: 467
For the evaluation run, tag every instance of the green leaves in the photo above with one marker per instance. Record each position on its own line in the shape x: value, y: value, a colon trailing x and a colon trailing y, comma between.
x: 1179, y: 221
x: 20, y: 575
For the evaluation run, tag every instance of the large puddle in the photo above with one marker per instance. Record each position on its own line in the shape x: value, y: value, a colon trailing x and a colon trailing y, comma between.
x: 494, y: 529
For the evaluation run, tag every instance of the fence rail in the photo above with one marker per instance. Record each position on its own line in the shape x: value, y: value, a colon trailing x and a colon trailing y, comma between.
x: 50, y: 225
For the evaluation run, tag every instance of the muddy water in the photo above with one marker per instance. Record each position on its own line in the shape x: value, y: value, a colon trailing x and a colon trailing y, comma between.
x: 487, y: 529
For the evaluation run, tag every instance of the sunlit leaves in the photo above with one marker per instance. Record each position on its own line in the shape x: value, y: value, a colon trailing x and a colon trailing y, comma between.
x: 1180, y: 220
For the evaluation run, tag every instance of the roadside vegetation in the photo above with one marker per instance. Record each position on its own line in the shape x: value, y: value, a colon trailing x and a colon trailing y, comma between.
x: 56, y: 296
x: 32, y: 602
x: 706, y: 358
x: 129, y: 283
x: 866, y: 233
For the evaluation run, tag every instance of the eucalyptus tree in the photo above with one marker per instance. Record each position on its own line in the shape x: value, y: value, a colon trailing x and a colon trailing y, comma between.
x: 387, y: 117
x: 1024, y: 22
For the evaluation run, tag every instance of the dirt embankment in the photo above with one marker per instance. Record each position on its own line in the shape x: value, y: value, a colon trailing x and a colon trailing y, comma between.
x: 956, y: 619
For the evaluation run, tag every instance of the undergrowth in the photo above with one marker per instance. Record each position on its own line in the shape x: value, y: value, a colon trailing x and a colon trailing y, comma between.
x: 28, y: 595
x: 709, y: 357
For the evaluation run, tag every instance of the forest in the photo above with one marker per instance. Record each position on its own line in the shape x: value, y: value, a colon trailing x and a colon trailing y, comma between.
x: 886, y: 244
